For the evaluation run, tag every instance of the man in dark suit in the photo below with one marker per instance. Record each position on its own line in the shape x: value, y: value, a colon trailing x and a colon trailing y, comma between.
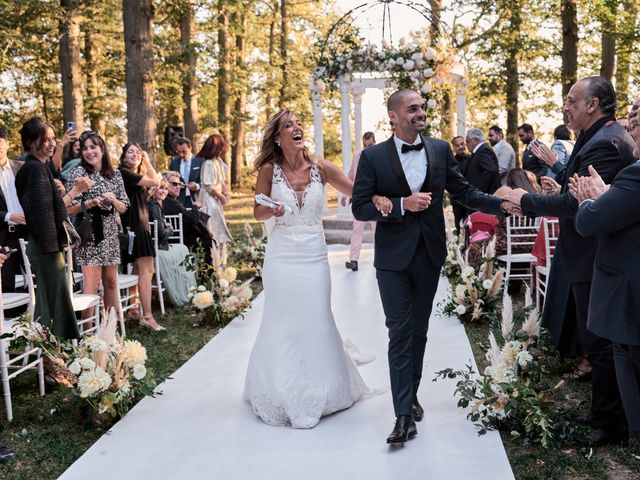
x: 481, y: 170
x: 409, y: 172
x: 12, y: 219
x: 188, y: 166
x: 614, y: 312
x: 529, y: 160
x: 461, y: 154
x: 608, y: 148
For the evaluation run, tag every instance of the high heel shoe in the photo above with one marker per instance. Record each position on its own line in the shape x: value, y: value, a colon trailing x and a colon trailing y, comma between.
x: 150, y: 322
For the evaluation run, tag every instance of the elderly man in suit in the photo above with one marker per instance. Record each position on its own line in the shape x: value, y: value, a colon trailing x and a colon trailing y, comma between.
x: 605, y: 146
x: 410, y: 172
x: 481, y: 170
x: 612, y: 215
x: 188, y: 166
x: 12, y: 219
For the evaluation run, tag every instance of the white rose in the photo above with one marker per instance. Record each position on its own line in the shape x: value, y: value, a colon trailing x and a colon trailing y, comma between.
x: 426, y: 88
x: 93, y: 381
x: 223, y: 283
x: 428, y: 72
x: 201, y: 288
x: 75, y: 367
x: 87, y: 363
x: 202, y: 300
x: 468, y: 272
x: 139, y: 371
x: 414, y: 74
x: 461, y: 309
x: 461, y: 291
x: 408, y: 65
x: 133, y: 353
x: 94, y: 344
x: 399, y: 61
x: 430, y: 54
x: 524, y: 357
x: 416, y: 56
x: 487, y: 284
x: 431, y: 103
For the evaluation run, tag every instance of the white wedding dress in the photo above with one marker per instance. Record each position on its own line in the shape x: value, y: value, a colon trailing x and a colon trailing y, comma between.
x: 299, y: 370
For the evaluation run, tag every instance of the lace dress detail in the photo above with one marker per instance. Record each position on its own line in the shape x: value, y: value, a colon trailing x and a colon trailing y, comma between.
x: 299, y: 370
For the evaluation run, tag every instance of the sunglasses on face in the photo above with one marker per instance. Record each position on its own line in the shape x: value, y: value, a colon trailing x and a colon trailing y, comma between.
x: 175, y: 184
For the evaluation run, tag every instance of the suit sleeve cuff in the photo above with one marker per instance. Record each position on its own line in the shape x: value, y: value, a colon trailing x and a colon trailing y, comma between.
x: 586, y: 202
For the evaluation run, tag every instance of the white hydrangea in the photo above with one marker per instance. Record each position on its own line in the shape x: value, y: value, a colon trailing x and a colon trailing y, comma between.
x: 93, y: 381
x: 95, y: 344
x: 75, y: 367
x: 202, y: 300
x: 229, y: 274
x: 461, y: 309
x: 87, y: 363
x: 139, y: 372
x: 201, y: 288
x: 487, y: 284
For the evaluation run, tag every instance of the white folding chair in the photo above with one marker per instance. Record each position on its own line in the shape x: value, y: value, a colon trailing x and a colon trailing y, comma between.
x: 177, y: 236
x: 551, y: 231
x: 125, y: 282
x: 156, y: 284
x: 16, y: 362
x: 521, y: 232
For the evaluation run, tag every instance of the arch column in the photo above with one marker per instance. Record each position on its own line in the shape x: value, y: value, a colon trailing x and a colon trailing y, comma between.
x: 345, y: 103
x: 461, y: 107
x: 357, y: 93
x: 316, y: 88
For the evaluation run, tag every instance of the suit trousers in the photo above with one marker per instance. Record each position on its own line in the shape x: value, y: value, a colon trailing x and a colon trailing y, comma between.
x: 627, y: 361
x: 459, y: 214
x: 407, y: 299
x: 356, y: 238
x: 606, y: 405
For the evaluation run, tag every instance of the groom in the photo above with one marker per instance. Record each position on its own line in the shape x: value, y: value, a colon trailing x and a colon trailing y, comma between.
x: 410, y: 172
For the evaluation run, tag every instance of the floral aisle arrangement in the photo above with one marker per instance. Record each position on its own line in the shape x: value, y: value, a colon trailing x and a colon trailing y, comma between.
x: 508, y: 395
x: 106, y: 370
x: 451, y: 268
x: 249, y: 251
x: 219, y: 296
x: 475, y: 293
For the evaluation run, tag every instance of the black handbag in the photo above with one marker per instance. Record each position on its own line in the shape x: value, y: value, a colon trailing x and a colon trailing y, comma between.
x: 83, y: 225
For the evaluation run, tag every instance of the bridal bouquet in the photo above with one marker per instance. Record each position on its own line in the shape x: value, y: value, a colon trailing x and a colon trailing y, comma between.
x: 508, y: 395
x: 219, y: 296
x: 250, y: 250
x: 476, y: 291
x: 106, y: 370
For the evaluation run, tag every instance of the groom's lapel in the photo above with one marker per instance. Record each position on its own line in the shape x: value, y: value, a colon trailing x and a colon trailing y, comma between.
x: 396, y: 166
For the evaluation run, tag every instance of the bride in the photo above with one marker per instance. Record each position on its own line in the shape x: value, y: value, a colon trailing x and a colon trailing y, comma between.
x: 298, y: 370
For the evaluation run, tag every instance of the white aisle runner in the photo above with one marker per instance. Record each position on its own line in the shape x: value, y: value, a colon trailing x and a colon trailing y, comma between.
x: 200, y: 428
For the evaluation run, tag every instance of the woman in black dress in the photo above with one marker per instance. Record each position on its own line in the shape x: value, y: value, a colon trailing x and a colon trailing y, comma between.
x: 138, y: 174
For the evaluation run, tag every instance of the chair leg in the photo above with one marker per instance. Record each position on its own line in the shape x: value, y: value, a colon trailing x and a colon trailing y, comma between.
x: 121, y: 314
x: 6, y: 389
x: 41, y: 377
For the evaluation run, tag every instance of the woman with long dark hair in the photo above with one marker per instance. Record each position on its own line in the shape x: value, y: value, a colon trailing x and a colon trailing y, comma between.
x: 214, y: 187
x: 102, y: 202
x: 45, y: 213
x: 138, y: 175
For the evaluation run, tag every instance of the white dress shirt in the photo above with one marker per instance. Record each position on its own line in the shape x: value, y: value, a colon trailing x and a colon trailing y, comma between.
x: 414, y: 165
x: 185, y: 170
x: 506, y: 158
x: 8, y: 185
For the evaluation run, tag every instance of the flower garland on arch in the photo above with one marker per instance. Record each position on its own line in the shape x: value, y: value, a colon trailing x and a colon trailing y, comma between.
x: 408, y: 66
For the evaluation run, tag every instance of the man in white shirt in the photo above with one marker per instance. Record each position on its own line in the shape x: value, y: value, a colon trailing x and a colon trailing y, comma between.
x: 188, y: 166
x: 11, y: 214
x: 400, y: 184
x: 503, y: 150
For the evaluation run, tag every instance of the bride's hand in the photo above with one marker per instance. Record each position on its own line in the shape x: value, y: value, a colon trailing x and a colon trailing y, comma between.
x: 278, y: 211
x: 382, y: 204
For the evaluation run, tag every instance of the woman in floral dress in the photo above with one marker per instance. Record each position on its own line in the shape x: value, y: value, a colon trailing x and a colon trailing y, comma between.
x: 103, y: 201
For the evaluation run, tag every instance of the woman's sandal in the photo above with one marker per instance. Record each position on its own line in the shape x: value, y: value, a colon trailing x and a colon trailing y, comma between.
x: 578, y: 374
x: 149, y: 322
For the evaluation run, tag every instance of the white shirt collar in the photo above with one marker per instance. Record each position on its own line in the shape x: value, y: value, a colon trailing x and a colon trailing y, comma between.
x: 478, y: 146
x: 399, y: 142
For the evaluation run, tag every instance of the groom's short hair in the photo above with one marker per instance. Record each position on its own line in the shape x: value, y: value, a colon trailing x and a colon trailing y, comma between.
x: 396, y: 97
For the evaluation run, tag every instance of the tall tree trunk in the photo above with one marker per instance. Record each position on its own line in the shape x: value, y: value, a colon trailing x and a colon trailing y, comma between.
x: 624, y: 51
x: 96, y: 107
x: 69, y: 54
x: 608, y: 46
x: 272, y: 64
x: 434, y: 23
x: 189, y: 79
x: 512, y: 84
x: 284, y: 33
x: 237, y: 144
x: 224, y: 94
x: 569, y: 75
x: 446, y: 106
x: 139, y: 75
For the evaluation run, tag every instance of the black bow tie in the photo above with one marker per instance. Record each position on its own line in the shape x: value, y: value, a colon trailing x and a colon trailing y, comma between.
x: 407, y: 148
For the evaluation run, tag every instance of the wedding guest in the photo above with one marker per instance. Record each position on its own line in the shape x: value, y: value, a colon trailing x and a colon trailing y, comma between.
x: 357, y: 231
x: 55, y: 162
x: 12, y: 222
x: 213, y: 184
x: 70, y: 158
x: 612, y: 215
x: 607, y: 147
x: 45, y: 213
x: 188, y: 166
x: 556, y: 156
x: 529, y: 160
x: 461, y: 156
x: 102, y: 202
x: 176, y: 278
x: 504, y: 152
x: 138, y: 174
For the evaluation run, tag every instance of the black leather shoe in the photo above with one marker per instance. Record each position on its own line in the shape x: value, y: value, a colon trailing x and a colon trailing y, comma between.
x: 6, y: 454
x: 418, y: 411
x: 352, y: 265
x: 599, y: 437
x: 404, y: 430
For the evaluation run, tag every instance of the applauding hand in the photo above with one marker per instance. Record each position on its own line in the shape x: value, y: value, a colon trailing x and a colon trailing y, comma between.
x: 550, y: 186
x: 591, y: 187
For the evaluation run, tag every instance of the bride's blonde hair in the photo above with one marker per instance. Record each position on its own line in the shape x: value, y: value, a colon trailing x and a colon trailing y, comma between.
x: 270, y: 151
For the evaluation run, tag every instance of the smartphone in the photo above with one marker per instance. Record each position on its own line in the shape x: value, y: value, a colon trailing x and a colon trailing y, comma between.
x: 71, y: 126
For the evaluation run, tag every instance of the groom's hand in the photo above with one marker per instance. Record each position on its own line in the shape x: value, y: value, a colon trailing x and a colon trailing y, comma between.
x: 417, y: 202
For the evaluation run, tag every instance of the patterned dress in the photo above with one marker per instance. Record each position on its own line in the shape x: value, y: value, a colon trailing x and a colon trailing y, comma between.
x: 107, y: 251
